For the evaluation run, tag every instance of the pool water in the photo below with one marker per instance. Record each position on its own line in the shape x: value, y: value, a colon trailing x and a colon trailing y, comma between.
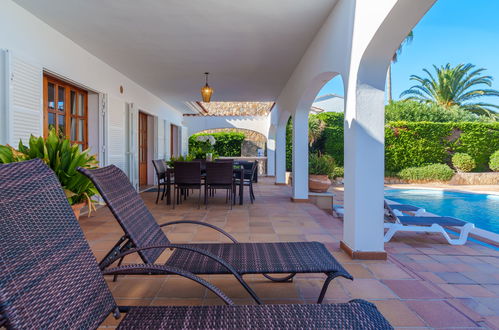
x: 480, y: 209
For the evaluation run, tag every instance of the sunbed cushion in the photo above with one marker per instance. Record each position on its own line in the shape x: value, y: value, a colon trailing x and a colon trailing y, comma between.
x: 428, y: 221
x: 256, y: 258
x: 356, y: 314
x: 404, y: 207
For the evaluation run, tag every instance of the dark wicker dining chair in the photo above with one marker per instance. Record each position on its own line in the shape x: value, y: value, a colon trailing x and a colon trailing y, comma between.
x: 50, y: 279
x: 142, y: 230
x: 220, y: 175
x: 161, y: 173
x: 250, y: 169
x: 187, y: 176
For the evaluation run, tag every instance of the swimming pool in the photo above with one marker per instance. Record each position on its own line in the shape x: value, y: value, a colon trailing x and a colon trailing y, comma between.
x: 480, y: 209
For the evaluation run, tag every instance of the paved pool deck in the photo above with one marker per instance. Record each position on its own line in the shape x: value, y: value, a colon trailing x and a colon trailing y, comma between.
x: 425, y: 283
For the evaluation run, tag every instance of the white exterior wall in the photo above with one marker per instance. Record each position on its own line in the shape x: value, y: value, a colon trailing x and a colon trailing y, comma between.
x: 357, y: 41
x: 27, y: 37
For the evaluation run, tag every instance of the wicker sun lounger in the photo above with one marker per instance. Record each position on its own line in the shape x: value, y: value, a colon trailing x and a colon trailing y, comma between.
x: 141, y: 230
x: 51, y: 280
x: 397, y: 221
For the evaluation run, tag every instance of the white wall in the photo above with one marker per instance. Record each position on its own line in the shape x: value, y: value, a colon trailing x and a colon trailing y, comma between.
x: 23, y: 34
x: 357, y: 41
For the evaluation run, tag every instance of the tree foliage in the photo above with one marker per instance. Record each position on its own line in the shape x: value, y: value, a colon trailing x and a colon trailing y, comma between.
x: 414, y: 111
x: 462, y: 86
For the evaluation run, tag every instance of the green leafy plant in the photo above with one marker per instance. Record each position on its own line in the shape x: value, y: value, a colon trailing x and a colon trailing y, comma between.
x: 321, y: 165
x: 433, y: 172
x: 339, y: 172
x: 63, y: 158
x: 463, y: 162
x: 181, y: 158
x: 494, y: 161
x: 315, y: 128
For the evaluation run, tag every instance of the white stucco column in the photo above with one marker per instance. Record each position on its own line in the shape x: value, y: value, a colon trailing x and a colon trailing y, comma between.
x: 271, y: 155
x: 300, y: 155
x: 364, y: 173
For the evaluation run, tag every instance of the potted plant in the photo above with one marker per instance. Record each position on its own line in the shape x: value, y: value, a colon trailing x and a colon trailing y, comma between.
x: 63, y: 158
x: 186, y: 158
x: 320, y: 168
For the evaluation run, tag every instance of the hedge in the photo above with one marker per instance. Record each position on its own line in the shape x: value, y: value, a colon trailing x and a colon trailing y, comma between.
x: 415, y: 144
x: 433, y: 172
x: 228, y: 144
x: 494, y: 161
x: 416, y: 112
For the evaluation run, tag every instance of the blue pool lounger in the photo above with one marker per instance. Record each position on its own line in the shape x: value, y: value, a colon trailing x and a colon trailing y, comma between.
x: 398, y: 221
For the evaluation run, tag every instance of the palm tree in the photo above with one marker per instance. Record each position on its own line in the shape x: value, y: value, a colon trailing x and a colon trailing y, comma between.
x: 395, y: 57
x: 454, y: 86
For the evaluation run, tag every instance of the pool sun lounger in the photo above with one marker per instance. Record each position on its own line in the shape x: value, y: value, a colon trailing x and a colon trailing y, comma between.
x: 397, y: 221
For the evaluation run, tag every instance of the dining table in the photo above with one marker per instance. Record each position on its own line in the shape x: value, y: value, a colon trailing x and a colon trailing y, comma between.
x: 238, y: 170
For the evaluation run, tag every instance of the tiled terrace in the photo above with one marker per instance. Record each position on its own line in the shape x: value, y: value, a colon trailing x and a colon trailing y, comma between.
x: 424, y: 283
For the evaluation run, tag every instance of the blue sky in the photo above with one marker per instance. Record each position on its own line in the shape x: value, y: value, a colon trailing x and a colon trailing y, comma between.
x: 453, y: 31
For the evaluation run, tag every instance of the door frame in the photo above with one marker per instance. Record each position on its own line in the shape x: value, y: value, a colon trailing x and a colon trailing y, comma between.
x: 143, y: 150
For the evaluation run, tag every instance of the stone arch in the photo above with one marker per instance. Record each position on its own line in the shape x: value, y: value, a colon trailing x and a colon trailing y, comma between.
x: 254, y: 140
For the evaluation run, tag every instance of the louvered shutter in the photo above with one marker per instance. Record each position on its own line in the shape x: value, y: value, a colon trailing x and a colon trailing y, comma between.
x: 132, y: 144
x: 116, y: 110
x: 25, y: 106
x: 161, y: 139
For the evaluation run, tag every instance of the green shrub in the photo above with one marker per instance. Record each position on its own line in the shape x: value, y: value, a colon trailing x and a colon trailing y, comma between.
x: 463, y: 162
x: 228, y: 144
x: 339, y: 172
x: 422, y: 143
x: 64, y: 159
x: 321, y: 165
x: 494, y: 161
x: 434, y: 172
x: 415, y: 112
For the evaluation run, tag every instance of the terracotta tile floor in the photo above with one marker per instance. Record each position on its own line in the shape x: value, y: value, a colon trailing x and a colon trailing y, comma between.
x: 425, y: 283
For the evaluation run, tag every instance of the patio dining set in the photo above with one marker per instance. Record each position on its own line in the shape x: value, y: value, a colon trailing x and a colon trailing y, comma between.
x: 222, y: 174
x: 50, y: 278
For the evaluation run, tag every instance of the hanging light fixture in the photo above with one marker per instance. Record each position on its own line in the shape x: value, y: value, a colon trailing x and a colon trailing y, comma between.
x: 206, y: 90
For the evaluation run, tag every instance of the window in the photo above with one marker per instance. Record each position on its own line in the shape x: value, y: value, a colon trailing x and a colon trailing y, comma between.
x: 65, y: 110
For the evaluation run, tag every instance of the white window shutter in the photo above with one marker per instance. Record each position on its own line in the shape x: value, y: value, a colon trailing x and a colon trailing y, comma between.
x: 25, y: 105
x: 103, y: 130
x: 116, y: 132
x: 161, y: 139
x: 132, y: 144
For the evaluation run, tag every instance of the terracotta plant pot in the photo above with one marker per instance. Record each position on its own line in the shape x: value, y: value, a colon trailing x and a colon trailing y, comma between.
x: 77, y: 209
x: 318, y: 183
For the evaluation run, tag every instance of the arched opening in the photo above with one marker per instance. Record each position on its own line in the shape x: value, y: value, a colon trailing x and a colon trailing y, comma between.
x: 325, y: 121
x: 254, y: 143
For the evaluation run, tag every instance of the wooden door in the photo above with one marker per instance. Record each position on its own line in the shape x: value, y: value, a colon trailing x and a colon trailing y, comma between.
x: 142, y: 149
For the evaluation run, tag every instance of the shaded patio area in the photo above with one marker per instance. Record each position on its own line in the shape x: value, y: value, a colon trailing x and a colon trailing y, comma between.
x: 424, y: 283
